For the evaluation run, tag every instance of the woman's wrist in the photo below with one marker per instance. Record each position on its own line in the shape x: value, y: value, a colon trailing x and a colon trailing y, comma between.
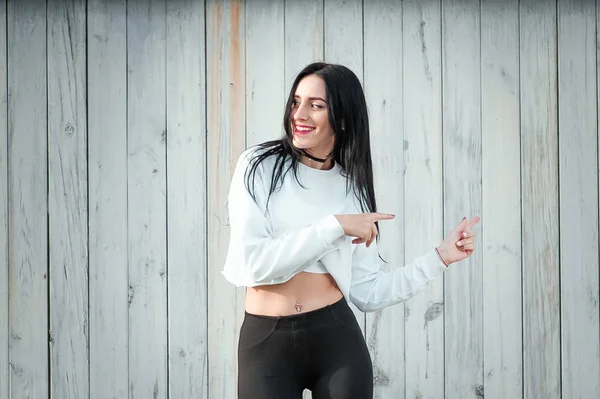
x: 441, y: 256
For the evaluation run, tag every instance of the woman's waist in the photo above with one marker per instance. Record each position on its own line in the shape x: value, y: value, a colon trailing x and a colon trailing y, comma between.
x: 302, y: 293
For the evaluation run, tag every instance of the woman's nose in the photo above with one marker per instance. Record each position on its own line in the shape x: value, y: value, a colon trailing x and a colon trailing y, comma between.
x: 301, y: 113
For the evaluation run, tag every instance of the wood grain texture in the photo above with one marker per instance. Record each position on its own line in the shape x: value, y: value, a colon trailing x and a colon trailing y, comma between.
x: 500, y: 241
x: 304, y: 34
x: 462, y: 194
x: 67, y: 199
x: 539, y: 200
x: 265, y: 70
x: 186, y: 199
x: 147, y: 199
x: 226, y: 141
x: 383, y: 87
x: 28, y: 200
x: 343, y: 33
x: 578, y: 200
x: 107, y: 183
x: 4, y: 388
x: 423, y: 203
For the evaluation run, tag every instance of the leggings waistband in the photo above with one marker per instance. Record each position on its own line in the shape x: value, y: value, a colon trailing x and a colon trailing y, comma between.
x: 311, y: 318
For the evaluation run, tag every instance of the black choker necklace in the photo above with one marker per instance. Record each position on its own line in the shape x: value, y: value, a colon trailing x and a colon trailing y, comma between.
x: 314, y: 158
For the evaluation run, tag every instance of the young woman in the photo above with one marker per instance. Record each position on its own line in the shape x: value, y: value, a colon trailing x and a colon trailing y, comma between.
x: 304, y: 223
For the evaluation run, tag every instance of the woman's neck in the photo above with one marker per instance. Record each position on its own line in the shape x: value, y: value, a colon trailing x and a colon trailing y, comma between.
x: 317, y: 162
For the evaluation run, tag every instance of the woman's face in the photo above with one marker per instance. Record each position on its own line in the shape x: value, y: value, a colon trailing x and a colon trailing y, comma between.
x: 310, y: 122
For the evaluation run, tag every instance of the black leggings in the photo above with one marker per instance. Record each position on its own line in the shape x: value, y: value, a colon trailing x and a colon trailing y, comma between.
x: 322, y: 350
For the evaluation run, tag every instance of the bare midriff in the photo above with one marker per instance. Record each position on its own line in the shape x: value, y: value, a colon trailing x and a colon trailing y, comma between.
x: 302, y: 293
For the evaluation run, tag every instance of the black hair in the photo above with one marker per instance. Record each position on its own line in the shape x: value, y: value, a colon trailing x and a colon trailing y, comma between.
x: 348, y: 117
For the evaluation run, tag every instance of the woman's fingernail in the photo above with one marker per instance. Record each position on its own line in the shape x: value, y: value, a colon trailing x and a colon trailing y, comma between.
x: 459, y: 243
x: 464, y: 234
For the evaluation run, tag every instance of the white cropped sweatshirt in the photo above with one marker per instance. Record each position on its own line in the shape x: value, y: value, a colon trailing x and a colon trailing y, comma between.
x: 299, y: 232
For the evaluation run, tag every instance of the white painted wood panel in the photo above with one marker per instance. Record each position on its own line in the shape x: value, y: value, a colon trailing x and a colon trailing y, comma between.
x: 343, y: 33
x: 265, y: 70
x: 186, y: 200
x: 27, y: 203
x: 4, y: 388
x: 67, y: 199
x: 578, y: 200
x: 383, y: 87
x: 107, y: 184
x: 463, y: 308
x: 186, y: 191
x: 166, y: 180
x: 539, y: 200
x: 423, y: 204
x: 303, y: 36
x: 500, y: 241
x: 146, y: 131
x: 226, y: 141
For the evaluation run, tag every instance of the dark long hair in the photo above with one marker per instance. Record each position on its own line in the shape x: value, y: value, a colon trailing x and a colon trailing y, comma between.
x: 347, y: 108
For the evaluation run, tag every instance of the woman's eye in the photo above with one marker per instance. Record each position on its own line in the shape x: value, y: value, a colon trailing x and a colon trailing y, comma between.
x: 317, y: 106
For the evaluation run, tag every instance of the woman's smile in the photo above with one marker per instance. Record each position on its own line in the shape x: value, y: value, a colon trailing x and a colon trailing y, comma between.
x: 303, y: 129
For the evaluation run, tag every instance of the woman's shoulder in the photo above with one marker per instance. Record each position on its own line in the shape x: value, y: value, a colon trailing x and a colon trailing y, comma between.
x: 261, y: 157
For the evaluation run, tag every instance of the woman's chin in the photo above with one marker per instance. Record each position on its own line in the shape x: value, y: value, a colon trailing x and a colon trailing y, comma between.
x: 301, y: 144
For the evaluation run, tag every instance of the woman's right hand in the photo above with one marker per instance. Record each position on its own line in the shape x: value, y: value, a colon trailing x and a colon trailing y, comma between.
x: 362, y: 226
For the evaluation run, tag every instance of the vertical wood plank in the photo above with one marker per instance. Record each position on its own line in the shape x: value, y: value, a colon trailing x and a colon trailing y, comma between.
x: 4, y: 389
x: 423, y: 192
x: 147, y: 199
x: 303, y: 36
x: 383, y: 86
x: 265, y: 70
x: 186, y: 199
x: 107, y: 163
x: 67, y: 199
x: 462, y: 194
x: 28, y: 199
x: 225, y: 142
x: 578, y: 201
x: 501, y: 237
x: 343, y: 33
x: 539, y: 200
x: 343, y: 44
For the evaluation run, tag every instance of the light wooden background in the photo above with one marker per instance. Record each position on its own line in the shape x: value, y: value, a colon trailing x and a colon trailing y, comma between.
x: 120, y: 125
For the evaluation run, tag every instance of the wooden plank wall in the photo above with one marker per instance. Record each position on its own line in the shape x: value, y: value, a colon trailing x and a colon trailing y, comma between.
x: 383, y: 57
x: 501, y: 198
x: 3, y: 209
x: 539, y: 200
x: 120, y: 125
x: 423, y: 213
x: 107, y: 187
x: 29, y: 334
x: 67, y: 199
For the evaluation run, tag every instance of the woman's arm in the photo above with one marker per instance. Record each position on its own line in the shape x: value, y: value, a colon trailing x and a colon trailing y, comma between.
x: 373, y: 289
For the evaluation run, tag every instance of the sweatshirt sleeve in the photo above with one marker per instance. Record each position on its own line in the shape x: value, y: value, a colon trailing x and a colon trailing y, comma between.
x: 255, y: 257
x: 373, y: 289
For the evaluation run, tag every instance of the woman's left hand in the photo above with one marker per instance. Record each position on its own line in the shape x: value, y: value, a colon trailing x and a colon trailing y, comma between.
x: 460, y: 243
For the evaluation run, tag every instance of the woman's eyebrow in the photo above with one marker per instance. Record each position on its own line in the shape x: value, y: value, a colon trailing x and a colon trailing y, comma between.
x: 313, y: 98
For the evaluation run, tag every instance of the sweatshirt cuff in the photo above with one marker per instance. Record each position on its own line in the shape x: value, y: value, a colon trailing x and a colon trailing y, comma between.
x: 330, y: 229
x: 433, y: 264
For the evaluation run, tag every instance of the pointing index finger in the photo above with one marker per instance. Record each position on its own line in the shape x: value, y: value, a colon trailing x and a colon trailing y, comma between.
x: 473, y: 221
x: 383, y: 216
